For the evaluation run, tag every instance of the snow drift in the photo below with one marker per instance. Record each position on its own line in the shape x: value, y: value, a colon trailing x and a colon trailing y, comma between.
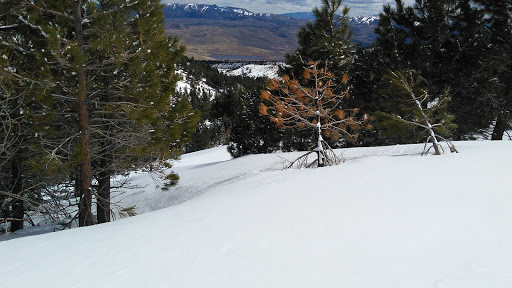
x: 387, y: 217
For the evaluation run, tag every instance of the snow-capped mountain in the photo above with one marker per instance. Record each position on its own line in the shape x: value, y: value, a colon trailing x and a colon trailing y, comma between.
x: 233, y: 13
x: 231, y: 33
x: 357, y: 20
x: 222, y: 13
x: 363, y: 20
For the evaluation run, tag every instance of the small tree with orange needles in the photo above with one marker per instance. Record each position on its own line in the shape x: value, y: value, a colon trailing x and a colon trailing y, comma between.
x: 314, y: 104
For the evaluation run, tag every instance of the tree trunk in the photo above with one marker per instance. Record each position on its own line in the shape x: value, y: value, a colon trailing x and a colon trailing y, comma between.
x: 4, y: 210
x: 84, y: 211
x: 502, y: 122
x: 435, y: 143
x: 18, y: 211
x: 430, y: 129
x: 103, y: 201
x: 500, y: 127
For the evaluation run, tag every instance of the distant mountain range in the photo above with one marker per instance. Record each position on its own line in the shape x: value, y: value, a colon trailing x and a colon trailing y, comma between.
x: 213, y: 32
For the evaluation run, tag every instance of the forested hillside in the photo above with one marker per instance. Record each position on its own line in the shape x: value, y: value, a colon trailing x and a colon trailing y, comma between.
x: 213, y: 32
x: 87, y: 94
x: 94, y: 90
x: 437, y: 71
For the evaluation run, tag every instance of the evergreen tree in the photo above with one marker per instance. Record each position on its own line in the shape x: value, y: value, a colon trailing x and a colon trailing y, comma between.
x: 113, y: 92
x: 24, y: 76
x: 498, y: 62
x: 252, y: 133
x: 367, y: 73
x: 317, y: 106
x: 417, y: 111
x: 135, y: 97
x: 442, y: 41
x: 326, y: 40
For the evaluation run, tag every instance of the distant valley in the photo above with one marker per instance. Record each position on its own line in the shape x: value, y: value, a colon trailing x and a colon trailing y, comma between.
x: 211, y: 32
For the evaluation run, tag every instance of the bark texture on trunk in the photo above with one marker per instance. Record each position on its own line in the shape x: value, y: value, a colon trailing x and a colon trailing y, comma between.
x: 103, y: 201
x: 85, y: 206
x: 500, y: 127
x: 502, y: 121
x: 18, y: 211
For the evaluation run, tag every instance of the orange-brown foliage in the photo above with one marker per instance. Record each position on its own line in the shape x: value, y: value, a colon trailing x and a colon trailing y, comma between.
x: 263, y: 109
x: 265, y: 95
x: 274, y: 84
x: 294, y: 105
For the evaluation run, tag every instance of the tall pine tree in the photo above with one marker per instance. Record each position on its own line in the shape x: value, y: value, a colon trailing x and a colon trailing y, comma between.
x: 444, y: 41
x: 498, y: 62
x: 24, y: 79
x: 327, y: 39
x: 112, y: 91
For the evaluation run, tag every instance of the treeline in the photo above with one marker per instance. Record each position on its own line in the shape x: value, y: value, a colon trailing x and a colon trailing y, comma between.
x: 229, y: 113
x: 444, y: 61
x: 458, y: 48
x: 454, y: 55
x: 87, y: 92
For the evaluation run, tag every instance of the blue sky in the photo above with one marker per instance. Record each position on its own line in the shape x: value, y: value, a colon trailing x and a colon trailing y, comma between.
x: 357, y: 7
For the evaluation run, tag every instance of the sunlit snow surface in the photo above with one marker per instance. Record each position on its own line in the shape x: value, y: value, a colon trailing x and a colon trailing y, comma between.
x: 387, y: 217
x: 184, y: 85
x: 256, y: 70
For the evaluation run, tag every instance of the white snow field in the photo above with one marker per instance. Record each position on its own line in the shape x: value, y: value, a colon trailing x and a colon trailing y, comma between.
x: 386, y: 218
x: 256, y: 70
x: 184, y: 85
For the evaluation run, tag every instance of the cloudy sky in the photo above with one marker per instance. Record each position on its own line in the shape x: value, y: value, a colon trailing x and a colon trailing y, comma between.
x: 357, y: 7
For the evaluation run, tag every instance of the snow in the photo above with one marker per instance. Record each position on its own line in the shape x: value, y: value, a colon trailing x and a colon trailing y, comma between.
x: 255, y: 70
x: 364, y: 19
x: 387, y: 217
x: 184, y: 85
x: 243, y: 12
x: 190, y: 7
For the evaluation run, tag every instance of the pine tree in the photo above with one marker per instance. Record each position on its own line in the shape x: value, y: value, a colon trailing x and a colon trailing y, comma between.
x: 24, y: 76
x: 498, y: 61
x: 252, y: 133
x: 113, y: 78
x: 417, y: 109
x: 298, y: 106
x: 133, y: 97
x: 326, y: 40
x: 444, y: 41
x: 366, y: 78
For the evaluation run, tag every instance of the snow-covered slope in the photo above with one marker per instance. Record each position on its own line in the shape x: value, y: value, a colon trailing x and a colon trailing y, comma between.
x: 214, y: 11
x: 387, y: 217
x: 256, y: 70
x: 186, y: 83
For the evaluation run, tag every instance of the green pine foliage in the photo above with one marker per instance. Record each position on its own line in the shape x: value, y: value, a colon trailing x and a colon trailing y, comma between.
x: 445, y: 42
x: 327, y: 39
x: 24, y: 117
x: 252, y: 133
x: 102, y: 83
x: 498, y: 63
x: 412, y: 108
x: 230, y: 116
